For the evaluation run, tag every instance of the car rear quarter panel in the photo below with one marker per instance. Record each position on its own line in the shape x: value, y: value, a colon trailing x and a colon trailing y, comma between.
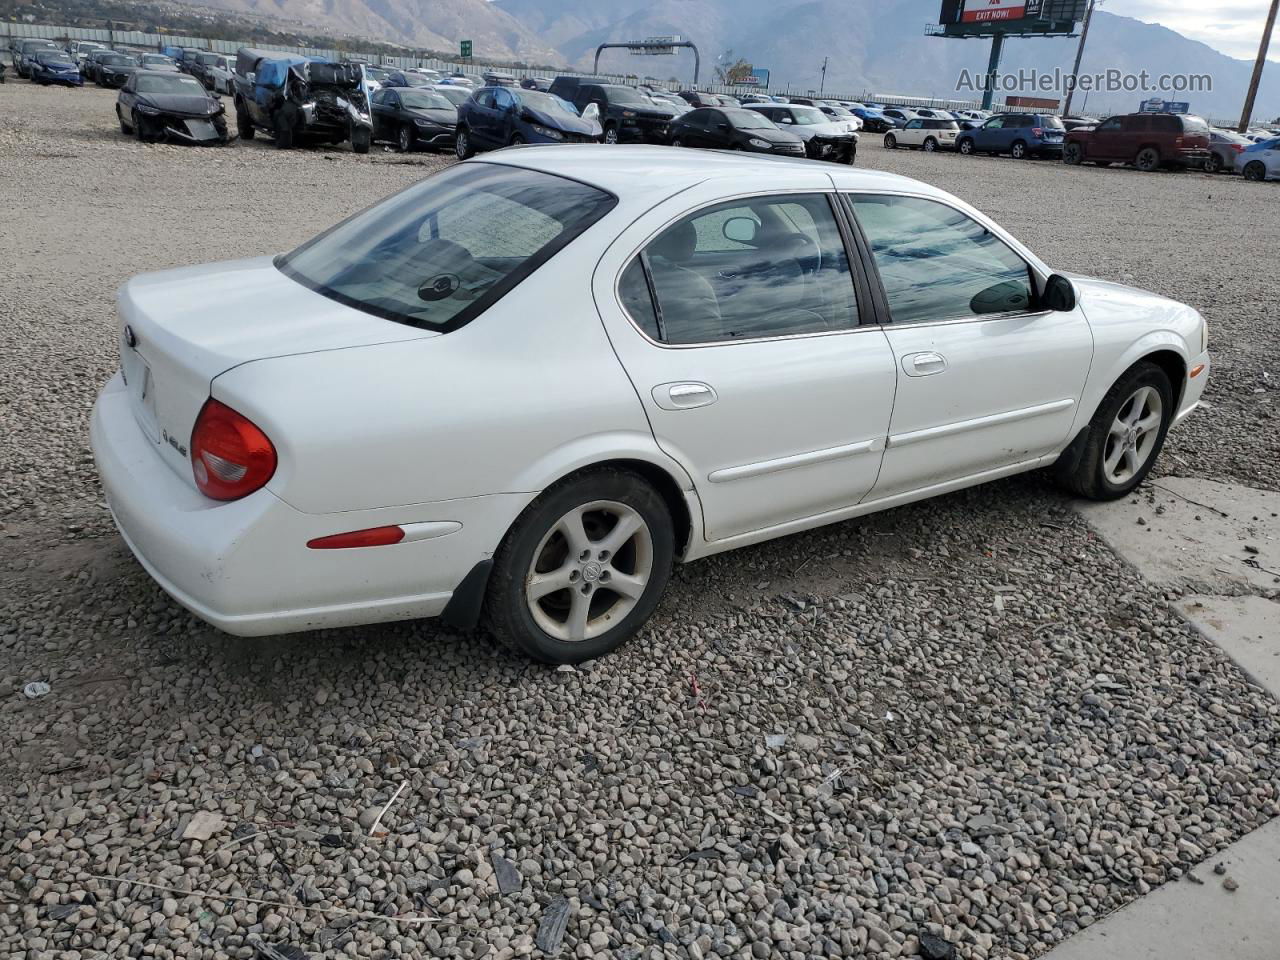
x: 513, y: 401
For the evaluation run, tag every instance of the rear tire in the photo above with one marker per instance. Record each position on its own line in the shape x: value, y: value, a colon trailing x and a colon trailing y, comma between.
x: 1115, y: 456
x: 1213, y: 164
x: 1019, y: 150
x: 1255, y: 170
x: 547, y: 543
x: 1147, y: 160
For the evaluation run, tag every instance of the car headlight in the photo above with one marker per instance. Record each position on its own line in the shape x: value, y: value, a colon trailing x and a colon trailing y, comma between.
x: 425, y: 123
x: 547, y: 132
x: 148, y: 110
x: 760, y: 144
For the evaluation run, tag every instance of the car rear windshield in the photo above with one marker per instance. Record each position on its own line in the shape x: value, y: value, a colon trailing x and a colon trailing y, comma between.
x: 443, y: 251
x: 941, y: 125
x: 1194, y: 124
x: 1051, y: 123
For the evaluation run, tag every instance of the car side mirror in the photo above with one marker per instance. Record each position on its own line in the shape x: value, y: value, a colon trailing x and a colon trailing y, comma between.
x: 1059, y: 294
x: 739, y: 229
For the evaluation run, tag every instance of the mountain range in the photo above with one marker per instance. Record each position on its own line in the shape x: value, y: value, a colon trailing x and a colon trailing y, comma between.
x: 870, y: 46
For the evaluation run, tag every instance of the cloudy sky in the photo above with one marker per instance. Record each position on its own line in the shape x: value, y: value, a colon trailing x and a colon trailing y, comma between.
x: 1232, y: 26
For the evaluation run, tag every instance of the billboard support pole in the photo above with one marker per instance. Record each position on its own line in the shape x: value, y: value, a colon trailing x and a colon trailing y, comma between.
x: 993, y: 70
x: 697, y: 60
x: 1249, y: 100
x: 1075, y: 71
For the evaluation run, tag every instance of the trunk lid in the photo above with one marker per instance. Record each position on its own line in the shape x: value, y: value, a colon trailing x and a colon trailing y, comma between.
x: 179, y: 329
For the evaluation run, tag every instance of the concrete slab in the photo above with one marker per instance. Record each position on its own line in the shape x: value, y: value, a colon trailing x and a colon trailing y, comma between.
x: 1247, y: 629
x: 1184, y: 920
x: 1218, y: 535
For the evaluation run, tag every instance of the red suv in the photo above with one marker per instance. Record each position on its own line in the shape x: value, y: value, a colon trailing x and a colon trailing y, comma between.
x: 1147, y: 140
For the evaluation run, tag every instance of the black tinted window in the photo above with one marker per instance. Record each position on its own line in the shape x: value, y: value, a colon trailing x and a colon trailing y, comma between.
x: 441, y: 252
x: 938, y: 264
x: 761, y: 267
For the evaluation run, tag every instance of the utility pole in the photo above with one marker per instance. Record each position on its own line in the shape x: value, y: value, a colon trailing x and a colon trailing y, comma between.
x: 822, y: 86
x: 1075, y: 71
x: 1247, y: 115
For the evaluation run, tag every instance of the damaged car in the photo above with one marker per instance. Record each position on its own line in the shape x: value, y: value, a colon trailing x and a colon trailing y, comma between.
x: 169, y: 106
x: 111, y: 69
x: 298, y: 100
x: 54, y: 66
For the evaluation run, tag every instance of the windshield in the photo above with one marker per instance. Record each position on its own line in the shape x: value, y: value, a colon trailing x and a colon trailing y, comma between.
x: 807, y: 116
x: 424, y: 100
x: 115, y: 60
x: 168, y: 83
x: 443, y: 251
x: 455, y: 95
x: 156, y: 59
x: 749, y: 120
x: 376, y: 73
x: 53, y: 58
x: 414, y: 80
x: 620, y: 94
x: 546, y: 102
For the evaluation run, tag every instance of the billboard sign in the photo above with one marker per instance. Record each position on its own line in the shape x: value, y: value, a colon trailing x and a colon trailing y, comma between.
x: 653, y: 46
x: 1156, y: 105
x: 985, y: 11
x: 759, y: 77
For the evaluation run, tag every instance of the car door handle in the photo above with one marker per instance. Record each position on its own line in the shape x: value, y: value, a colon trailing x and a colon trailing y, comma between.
x: 683, y: 396
x: 923, y: 364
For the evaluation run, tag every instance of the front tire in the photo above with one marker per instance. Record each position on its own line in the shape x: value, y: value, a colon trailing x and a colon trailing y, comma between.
x: 404, y: 139
x: 244, y: 123
x: 1073, y: 155
x: 124, y: 127
x: 582, y: 568
x: 890, y: 142
x: 1255, y: 170
x: 611, y: 135
x: 1019, y: 150
x: 361, y: 139
x: 966, y: 146
x: 930, y: 145
x: 462, y: 144
x: 1126, y: 435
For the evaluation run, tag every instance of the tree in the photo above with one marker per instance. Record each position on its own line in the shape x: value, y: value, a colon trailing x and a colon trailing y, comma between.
x: 730, y: 71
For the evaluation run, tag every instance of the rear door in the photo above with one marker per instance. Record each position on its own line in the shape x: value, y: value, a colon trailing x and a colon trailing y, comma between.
x: 752, y: 364
x: 987, y: 379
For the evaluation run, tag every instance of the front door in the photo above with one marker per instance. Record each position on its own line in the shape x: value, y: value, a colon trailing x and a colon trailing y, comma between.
x: 739, y: 325
x: 986, y: 378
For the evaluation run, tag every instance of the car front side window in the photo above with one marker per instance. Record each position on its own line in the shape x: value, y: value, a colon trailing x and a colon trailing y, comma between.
x: 745, y: 269
x: 937, y: 263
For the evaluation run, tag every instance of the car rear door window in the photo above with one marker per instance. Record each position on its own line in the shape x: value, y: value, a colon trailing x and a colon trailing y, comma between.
x: 937, y: 263
x: 745, y: 269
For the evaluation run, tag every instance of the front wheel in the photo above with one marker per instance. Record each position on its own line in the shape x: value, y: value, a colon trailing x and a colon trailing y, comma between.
x: 244, y: 123
x: 517, y: 141
x: 1073, y: 155
x: 462, y: 145
x: 966, y: 146
x: 582, y: 568
x: 361, y: 139
x: 1121, y: 443
x: 1256, y: 171
x: 124, y: 127
x: 404, y: 139
x: 677, y: 142
x: 611, y: 135
x: 890, y: 142
x: 1148, y: 160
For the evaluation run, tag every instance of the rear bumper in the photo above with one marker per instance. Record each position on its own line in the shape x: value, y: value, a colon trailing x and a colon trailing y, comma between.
x: 244, y: 566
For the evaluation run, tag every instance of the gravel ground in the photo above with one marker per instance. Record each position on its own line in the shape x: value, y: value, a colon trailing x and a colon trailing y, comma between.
x: 962, y: 725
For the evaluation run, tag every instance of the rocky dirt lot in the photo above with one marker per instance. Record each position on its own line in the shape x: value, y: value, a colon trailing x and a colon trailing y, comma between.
x: 962, y: 728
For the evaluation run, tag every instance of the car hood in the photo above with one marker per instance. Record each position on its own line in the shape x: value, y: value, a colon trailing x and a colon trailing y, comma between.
x: 190, y: 105
x: 561, y: 121
x: 773, y: 136
x: 810, y: 130
x: 446, y: 118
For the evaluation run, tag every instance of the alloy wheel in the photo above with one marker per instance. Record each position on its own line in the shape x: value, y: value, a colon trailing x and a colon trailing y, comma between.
x: 1255, y: 171
x: 1133, y: 436
x: 405, y: 140
x: 966, y: 147
x: 1019, y: 150
x: 589, y: 571
x: 611, y: 135
x: 1148, y: 160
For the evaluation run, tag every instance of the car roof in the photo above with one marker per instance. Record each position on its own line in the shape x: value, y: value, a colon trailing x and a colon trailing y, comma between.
x: 660, y: 172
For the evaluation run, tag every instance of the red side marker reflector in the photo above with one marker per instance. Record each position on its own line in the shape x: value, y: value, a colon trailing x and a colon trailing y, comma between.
x: 373, y: 537
x: 1196, y: 371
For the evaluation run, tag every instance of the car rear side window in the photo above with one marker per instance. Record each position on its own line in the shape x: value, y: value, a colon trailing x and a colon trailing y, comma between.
x: 751, y: 268
x: 443, y: 251
x: 936, y: 263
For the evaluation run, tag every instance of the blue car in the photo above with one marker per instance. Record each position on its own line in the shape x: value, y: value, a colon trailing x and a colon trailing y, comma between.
x: 873, y: 121
x: 1020, y: 135
x: 54, y: 66
x: 496, y: 117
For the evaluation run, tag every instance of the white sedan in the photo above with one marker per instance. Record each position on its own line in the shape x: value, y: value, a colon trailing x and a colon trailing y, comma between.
x: 520, y: 389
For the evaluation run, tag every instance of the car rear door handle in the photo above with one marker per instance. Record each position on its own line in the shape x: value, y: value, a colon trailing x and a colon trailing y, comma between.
x: 923, y: 364
x: 683, y: 396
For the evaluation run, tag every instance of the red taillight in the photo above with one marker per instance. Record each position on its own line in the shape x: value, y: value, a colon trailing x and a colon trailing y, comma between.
x: 1238, y: 147
x: 230, y: 456
x: 1037, y: 132
x: 373, y: 537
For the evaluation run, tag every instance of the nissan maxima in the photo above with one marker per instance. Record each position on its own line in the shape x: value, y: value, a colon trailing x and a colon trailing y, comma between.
x: 519, y: 390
